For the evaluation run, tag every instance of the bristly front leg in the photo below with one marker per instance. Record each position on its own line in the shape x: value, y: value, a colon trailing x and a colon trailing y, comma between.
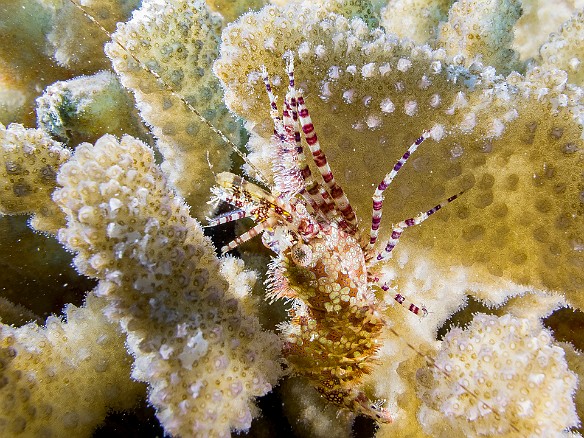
x: 313, y: 192
x: 349, y: 219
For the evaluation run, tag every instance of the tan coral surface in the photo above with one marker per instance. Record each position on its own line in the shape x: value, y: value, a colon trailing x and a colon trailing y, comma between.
x: 415, y: 19
x: 204, y: 358
x: 565, y: 49
x: 482, y: 30
x: 61, y: 379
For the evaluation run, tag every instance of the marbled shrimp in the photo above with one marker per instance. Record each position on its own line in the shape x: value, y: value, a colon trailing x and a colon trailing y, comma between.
x: 323, y: 264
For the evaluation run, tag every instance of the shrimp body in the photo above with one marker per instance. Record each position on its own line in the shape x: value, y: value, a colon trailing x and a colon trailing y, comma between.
x: 322, y: 264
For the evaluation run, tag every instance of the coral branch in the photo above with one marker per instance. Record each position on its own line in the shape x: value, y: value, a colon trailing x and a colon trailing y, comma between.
x: 29, y: 162
x: 86, y: 107
x: 178, y: 40
x: 61, y: 379
x: 521, y: 380
x: 202, y: 356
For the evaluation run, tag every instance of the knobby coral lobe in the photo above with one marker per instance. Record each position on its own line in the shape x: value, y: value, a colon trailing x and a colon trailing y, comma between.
x: 203, y: 357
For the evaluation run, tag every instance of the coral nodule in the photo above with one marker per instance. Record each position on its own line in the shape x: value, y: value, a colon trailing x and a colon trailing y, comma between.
x: 503, y: 361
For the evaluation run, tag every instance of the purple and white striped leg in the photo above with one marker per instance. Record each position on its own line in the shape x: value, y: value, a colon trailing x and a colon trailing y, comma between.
x: 384, y: 184
x: 414, y: 308
x: 273, y: 106
x: 411, y: 306
x: 400, y: 227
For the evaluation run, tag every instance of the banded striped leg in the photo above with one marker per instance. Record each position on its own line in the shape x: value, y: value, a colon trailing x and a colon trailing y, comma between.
x: 415, y: 309
x: 289, y: 128
x: 400, y: 227
x: 227, y: 217
x: 249, y: 234
x: 314, y: 194
x: 285, y: 159
x: 337, y: 194
x: 273, y: 105
x: 378, y: 195
x: 412, y: 307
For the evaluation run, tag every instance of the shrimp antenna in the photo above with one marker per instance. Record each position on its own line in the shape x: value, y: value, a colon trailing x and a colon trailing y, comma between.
x: 171, y: 91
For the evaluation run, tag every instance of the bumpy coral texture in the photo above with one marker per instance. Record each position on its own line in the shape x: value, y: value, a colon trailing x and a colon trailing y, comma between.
x: 202, y: 356
x: 415, y: 19
x: 367, y: 10
x: 513, y: 140
x: 396, y: 378
x: 29, y: 162
x: 483, y: 31
x: 231, y: 9
x: 61, y: 379
x: 443, y: 290
x: 575, y: 360
x: 86, y: 107
x: 520, y: 378
x: 539, y: 19
x: 512, y: 143
x: 565, y: 49
x: 178, y: 40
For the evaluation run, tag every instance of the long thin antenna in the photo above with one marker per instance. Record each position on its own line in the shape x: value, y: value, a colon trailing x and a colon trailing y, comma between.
x: 171, y: 91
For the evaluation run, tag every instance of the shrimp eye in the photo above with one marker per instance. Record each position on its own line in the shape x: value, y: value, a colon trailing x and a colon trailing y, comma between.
x: 301, y: 254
